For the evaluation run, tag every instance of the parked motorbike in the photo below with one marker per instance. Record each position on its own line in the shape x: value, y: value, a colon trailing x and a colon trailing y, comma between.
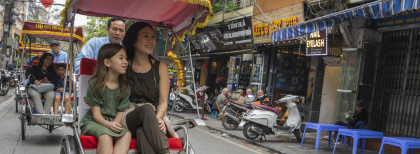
x: 13, y: 79
x: 232, y: 114
x: 185, y: 101
x: 4, y: 83
x: 262, y: 120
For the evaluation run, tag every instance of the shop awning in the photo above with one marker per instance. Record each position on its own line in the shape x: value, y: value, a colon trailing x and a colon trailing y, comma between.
x: 374, y: 10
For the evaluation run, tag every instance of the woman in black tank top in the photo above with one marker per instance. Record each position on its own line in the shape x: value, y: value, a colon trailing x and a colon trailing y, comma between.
x: 149, y: 80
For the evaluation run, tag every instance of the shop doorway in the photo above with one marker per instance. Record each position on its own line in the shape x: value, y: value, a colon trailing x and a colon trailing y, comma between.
x: 329, y: 93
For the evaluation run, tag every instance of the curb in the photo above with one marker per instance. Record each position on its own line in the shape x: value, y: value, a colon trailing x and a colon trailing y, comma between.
x: 236, y: 137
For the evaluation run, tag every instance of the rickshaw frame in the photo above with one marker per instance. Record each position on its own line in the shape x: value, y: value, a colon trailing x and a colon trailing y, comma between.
x: 73, y: 144
x: 27, y: 117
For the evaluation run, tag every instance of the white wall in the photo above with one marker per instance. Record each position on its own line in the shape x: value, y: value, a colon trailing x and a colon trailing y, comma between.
x: 329, y: 93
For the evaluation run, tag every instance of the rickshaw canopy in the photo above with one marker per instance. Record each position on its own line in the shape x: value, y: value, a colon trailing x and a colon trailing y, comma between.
x: 178, y: 15
x: 35, y: 48
x: 48, y: 31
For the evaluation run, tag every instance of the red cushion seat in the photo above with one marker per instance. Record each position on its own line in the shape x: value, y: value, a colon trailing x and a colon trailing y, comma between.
x: 90, y: 142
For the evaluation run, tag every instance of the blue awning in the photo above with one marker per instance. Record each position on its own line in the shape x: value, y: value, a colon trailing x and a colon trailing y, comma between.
x: 374, y: 10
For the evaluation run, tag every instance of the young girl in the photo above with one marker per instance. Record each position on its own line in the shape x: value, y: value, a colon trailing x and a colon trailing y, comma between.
x: 108, y: 95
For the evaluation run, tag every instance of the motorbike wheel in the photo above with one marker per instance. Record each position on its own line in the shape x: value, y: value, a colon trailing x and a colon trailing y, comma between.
x: 298, y: 135
x: 207, y: 108
x: 177, y: 107
x: 247, y: 131
x: 4, y: 89
x: 228, y: 123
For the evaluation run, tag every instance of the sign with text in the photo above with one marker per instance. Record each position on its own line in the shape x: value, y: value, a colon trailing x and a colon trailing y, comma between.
x: 316, y: 43
x: 403, y: 18
x: 265, y: 29
x: 238, y: 33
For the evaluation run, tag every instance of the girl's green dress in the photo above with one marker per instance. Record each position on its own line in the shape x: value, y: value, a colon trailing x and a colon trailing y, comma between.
x: 110, y: 105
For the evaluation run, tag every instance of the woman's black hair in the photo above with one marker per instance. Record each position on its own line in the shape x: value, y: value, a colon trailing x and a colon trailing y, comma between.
x: 131, y: 37
x: 42, y: 59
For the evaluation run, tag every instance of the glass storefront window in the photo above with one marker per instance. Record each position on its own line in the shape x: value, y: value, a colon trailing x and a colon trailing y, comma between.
x: 348, y: 83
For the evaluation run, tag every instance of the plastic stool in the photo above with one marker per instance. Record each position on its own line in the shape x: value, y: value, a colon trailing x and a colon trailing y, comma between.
x: 214, y: 114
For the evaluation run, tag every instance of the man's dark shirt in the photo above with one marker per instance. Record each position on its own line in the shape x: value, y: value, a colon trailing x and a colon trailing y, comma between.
x: 362, y: 115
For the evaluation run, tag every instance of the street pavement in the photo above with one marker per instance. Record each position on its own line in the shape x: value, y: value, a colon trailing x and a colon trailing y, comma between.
x: 285, y: 143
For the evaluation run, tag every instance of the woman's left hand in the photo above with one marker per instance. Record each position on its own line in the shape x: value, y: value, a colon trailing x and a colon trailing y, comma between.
x: 162, y: 126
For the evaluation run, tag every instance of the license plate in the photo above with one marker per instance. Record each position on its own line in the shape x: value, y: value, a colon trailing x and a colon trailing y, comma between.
x: 22, y: 88
x: 242, y: 123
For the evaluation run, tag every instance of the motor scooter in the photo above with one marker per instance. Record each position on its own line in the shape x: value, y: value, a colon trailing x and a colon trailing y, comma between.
x: 232, y: 114
x: 13, y: 79
x: 4, y: 82
x: 185, y: 101
x: 262, y: 120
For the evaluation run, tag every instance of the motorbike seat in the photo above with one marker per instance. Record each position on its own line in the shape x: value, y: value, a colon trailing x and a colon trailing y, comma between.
x: 275, y: 110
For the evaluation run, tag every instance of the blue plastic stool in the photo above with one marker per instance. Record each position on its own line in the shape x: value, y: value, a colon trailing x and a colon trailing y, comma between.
x: 214, y: 114
x: 405, y: 143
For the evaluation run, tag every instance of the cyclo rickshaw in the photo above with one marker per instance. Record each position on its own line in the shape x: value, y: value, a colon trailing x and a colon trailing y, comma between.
x: 31, y: 49
x: 179, y: 17
x: 28, y: 115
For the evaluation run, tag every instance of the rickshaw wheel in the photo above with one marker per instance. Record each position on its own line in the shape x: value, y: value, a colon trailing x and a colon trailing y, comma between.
x: 68, y: 146
x: 23, y: 125
x: 17, y: 99
x: 190, y: 149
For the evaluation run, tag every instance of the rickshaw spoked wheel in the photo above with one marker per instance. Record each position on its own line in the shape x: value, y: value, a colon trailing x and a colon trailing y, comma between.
x: 17, y: 101
x: 68, y: 146
x: 23, y: 125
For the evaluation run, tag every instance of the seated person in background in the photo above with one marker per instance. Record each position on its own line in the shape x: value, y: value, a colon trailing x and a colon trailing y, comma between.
x: 29, y: 62
x: 249, y: 97
x: 39, y: 74
x: 59, y: 56
x: 261, y: 99
x: 241, y: 98
x: 222, y: 97
x: 61, y: 71
x: 352, y: 118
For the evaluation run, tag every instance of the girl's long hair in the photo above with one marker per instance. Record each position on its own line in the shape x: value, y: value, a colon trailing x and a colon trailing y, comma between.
x: 42, y: 59
x: 107, y: 51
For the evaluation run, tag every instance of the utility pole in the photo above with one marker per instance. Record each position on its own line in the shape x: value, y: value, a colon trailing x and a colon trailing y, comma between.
x: 7, y: 40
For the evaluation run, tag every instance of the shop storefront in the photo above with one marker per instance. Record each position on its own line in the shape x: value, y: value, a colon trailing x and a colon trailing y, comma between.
x: 278, y: 64
x: 229, y: 51
x: 379, y: 66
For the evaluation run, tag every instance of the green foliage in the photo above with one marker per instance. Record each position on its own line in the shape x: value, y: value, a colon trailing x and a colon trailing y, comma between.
x: 220, y: 5
x: 97, y: 26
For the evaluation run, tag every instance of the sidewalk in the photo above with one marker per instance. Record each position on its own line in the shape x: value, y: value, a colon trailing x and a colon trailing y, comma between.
x: 281, y: 143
